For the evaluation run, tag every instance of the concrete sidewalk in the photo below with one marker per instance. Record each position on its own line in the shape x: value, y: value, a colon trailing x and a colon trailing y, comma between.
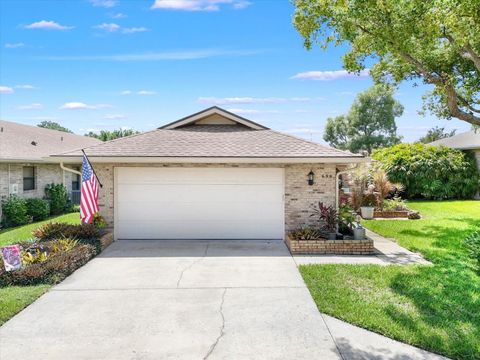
x: 189, y: 300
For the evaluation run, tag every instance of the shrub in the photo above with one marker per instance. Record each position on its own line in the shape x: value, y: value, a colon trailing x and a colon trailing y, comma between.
x: 53, y: 230
x: 98, y: 221
x: 395, y: 204
x: 327, y: 216
x: 14, y: 212
x: 305, y: 233
x: 54, y: 269
x: 38, y: 209
x: 57, y: 195
x: 346, y: 219
x: 472, y: 243
x: 429, y: 171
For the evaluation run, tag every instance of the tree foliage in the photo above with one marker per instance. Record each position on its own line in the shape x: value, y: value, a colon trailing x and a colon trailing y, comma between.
x: 432, y: 172
x: 436, y: 133
x: 106, y: 135
x: 435, y: 41
x: 52, y: 125
x: 370, y: 123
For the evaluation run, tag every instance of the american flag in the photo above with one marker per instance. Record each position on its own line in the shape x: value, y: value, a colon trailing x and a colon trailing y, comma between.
x: 89, y: 192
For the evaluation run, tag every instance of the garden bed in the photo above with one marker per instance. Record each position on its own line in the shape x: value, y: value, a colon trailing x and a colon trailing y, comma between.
x: 391, y: 214
x: 333, y: 247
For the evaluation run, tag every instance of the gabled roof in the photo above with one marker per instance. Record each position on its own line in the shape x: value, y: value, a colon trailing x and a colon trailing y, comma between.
x: 214, y: 110
x: 465, y: 141
x: 215, y: 139
x: 19, y: 142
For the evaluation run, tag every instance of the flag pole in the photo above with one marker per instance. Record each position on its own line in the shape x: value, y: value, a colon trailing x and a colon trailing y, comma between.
x: 94, y: 173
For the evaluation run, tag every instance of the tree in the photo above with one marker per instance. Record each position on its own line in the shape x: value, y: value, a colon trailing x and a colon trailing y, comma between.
x: 434, y: 41
x: 370, y: 123
x: 436, y: 133
x: 52, y: 125
x: 106, y: 135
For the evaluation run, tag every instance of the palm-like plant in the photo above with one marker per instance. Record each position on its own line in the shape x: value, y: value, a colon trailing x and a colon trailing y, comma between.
x: 383, y: 186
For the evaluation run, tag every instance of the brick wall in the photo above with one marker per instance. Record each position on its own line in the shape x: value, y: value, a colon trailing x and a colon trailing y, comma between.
x: 323, y: 246
x: 299, y: 196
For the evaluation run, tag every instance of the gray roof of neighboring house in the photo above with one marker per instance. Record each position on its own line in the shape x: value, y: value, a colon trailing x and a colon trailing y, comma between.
x: 465, y: 141
x: 19, y: 142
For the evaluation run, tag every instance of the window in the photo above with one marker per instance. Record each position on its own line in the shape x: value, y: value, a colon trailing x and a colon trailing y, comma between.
x: 28, y: 178
x: 76, y: 180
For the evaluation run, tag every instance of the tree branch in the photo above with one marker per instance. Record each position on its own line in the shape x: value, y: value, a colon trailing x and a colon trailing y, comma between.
x: 454, y: 110
x: 467, y: 52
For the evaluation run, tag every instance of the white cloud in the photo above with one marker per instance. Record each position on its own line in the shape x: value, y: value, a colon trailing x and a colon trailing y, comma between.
x: 199, y: 5
x: 25, y: 87
x: 345, y: 93
x: 6, y: 90
x: 126, y: 92
x: 146, y: 92
x: 14, y: 45
x: 134, y: 30
x: 115, y: 117
x: 82, y: 106
x: 34, y: 106
x: 47, y: 25
x: 329, y: 75
x: 253, y: 111
x: 104, y: 3
x: 250, y: 100
x: 158, y: 56
x: 108, y: 27
x: 117, y: 15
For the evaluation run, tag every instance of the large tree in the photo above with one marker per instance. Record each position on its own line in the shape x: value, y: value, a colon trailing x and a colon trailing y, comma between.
x: 52, y: 125
x: 435, y: 41
x: 106, y: 135
x: 370, y: 123
x: 436, y: 133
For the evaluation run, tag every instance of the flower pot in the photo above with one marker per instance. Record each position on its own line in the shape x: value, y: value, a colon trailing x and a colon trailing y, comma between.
x: 367, y: 212
x: 332, y: 236
x: 359, y: 233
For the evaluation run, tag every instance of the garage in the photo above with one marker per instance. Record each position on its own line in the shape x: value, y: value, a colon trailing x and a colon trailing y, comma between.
x: 199, y: 203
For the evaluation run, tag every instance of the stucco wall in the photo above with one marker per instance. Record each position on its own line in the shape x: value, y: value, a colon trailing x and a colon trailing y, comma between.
x: 299, y: 196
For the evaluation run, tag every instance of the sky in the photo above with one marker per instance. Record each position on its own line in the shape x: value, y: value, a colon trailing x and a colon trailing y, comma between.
x: 109, y: 64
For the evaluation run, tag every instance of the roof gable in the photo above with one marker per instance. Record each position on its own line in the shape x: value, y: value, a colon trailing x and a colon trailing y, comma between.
x: 213, y: 116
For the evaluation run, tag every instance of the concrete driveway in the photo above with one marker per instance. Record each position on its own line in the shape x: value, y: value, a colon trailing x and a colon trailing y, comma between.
x: 185, y: 300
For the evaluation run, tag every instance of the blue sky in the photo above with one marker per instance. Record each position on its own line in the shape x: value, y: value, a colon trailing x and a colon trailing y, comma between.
x: 105, y: 64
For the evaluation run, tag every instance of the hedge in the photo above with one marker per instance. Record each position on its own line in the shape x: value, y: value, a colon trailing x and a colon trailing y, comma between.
x: 430, y: 172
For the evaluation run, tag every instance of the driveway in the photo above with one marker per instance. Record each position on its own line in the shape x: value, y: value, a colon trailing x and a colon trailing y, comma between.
x: 187, y: 300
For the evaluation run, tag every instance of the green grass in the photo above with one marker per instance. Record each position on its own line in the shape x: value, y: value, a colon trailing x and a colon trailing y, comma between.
x: 15, y: 298
x: 13, y: 235
x: 433, y: 307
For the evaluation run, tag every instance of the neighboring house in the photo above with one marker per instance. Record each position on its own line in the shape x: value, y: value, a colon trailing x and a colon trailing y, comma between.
x: 212, y: 175
x: 469, y: 140
x: 23, y: 168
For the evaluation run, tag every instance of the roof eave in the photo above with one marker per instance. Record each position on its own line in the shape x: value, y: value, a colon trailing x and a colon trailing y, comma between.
x: 215, y: 160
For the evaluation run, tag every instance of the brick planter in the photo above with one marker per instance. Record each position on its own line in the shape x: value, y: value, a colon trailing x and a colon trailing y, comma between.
x: 106, y: 239
x: 324, y: 246
x: 390, y: 214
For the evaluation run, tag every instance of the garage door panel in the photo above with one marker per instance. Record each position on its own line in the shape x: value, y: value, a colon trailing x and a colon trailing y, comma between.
x: 199, y: 203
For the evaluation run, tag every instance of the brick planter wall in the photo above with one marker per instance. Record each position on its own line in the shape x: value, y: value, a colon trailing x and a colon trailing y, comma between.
x: 390, y: 214
x: 324, y: 246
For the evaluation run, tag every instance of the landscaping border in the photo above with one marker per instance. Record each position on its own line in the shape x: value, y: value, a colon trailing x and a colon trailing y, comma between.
x: 331, y: 247
x: 396, y: 214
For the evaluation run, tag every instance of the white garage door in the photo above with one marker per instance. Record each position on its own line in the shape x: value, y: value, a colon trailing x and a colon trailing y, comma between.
x: 199, y: 203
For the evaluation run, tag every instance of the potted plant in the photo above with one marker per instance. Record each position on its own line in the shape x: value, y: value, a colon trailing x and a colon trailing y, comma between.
x: 369, y: 201
x: 346, y: 219
x: 328, y: 217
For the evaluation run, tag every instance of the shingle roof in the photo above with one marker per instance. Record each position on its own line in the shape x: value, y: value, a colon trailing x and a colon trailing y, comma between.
x: 212, y: 141
x: 32, y: 143
x: 464, y: 141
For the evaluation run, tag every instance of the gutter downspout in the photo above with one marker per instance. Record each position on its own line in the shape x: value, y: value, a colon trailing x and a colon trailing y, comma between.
x: 69, y: 170
x: 337, y: 190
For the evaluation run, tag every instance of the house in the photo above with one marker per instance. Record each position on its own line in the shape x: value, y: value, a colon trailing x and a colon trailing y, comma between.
x: 467, y: 141
x: 212, y: 175
x: 24, y: 171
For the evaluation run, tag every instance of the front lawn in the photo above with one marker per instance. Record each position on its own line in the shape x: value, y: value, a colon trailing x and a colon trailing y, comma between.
x: 14, y: 298
x: 433, y: 307
x: 13, y: 235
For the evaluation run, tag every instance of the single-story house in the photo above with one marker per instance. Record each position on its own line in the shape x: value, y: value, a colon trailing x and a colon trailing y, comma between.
x: 467, y: 141
x: 24, y: 168
x: 212, y: 175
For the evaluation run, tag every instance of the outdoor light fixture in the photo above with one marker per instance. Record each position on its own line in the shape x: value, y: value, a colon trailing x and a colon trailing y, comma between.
x: 311, y: 177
